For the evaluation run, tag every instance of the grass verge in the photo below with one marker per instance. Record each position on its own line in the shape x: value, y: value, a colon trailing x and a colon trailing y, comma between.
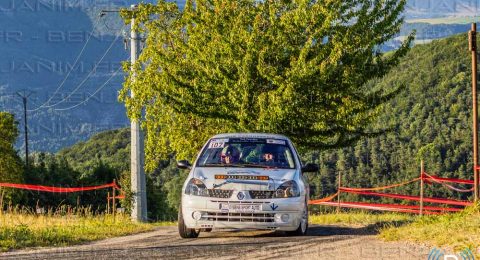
x: 453, y: 231
x: 360, y: 218
x: 18, y: 230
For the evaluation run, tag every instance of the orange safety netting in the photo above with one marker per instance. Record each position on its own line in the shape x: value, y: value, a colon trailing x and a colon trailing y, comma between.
x: 329, y: 198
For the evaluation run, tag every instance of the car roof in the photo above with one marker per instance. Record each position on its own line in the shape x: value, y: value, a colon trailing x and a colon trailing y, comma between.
x: 251, y: 135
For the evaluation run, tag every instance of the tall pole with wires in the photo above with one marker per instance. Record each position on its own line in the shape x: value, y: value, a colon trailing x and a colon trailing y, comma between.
x: 24, y: 96
x: 472, y: 35
x: 138, y: 181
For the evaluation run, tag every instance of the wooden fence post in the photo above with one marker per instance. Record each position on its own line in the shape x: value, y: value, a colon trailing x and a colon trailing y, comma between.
x: 422, y: 170
x: 338, y: 190
x: 1, y: 201
x: 114, y: 206
x: 108, y: 202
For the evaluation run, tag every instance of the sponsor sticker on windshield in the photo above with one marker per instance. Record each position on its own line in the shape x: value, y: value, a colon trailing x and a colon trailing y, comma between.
x: 276, y: 141
x: 242, y: 177
x: 217, y: 143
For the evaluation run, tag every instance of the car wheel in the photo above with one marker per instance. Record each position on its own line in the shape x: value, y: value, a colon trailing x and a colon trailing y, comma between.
x: 183, y: 230
x: 303, y: 226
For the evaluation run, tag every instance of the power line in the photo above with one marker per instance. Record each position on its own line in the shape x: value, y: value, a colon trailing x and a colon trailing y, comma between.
x: 24, y: 96
x: 71, y: 68
x: 112, y: 28
x: 3, y: 102
x: 92, y: 72
x: 94, y: 93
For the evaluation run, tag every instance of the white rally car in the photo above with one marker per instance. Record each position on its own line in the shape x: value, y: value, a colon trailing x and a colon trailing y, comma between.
x: 245, y: 181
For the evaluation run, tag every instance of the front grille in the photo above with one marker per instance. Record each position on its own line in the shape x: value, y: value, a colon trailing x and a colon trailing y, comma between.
x: 223, y: 194
x: 239, y: 217
x: 261, y: 194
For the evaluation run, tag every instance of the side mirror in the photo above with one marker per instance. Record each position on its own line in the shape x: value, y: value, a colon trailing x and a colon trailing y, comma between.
x: 310, y: 167
x: 184, y: 164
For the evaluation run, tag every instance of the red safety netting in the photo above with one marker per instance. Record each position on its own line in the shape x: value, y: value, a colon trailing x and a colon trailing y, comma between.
x: 328, y: 201
x: 379, y: 207
x: 451, y: 180
x: 408, y: 197
x: 395, y: 206
x: 448, y: 186
x: 57, y: 189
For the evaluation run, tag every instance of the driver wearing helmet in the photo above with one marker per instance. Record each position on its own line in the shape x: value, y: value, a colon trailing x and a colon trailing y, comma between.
x: 230, y: 155
x: 269, y: 153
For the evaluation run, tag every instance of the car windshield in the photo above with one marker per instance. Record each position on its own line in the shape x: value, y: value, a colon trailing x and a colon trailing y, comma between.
x: 247, y: 152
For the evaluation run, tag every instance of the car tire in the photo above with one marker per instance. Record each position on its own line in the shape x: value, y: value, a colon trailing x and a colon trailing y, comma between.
x: 183, y: 230
x: 303, y: 225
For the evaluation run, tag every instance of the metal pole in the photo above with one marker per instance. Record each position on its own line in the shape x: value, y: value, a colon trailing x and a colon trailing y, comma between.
x: 24, y: 97
x: 472, y: 35
x: 139, y: 210
x: 25, y: 129
x: 338, y: 190
x: 421, y: 187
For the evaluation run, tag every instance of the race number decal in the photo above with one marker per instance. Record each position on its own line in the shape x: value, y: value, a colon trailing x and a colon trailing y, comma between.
x: 217, y: 143
x: 275, y: 141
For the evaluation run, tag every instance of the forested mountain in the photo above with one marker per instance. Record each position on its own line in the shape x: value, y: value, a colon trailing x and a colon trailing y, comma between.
x: 430, y: 120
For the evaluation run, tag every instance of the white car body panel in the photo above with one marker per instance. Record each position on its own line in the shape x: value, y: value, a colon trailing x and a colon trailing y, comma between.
x: 223, y: 212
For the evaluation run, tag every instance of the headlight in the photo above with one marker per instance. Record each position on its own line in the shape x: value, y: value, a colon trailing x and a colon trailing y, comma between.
x: 197, y: 188
x: 287, y: 190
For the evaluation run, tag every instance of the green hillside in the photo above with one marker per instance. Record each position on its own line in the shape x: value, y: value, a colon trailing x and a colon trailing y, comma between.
x: 111, y: 150
x: 430, y: 120
x: 112, y: 147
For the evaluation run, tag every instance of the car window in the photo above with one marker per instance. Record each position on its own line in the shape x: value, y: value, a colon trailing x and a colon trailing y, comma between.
x: 247, y: 152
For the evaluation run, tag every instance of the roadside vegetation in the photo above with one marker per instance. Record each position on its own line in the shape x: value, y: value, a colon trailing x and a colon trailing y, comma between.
x: 454, y: 231
x: 361, y: 218
x: 21, y: 229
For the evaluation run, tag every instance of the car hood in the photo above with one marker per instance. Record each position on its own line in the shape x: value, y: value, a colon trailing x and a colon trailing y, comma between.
x: 243, y: 178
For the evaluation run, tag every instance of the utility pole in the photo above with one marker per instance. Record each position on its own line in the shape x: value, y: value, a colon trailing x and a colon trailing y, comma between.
x: 138, y: 182
x: 24, y: 96
x: 472, y: 40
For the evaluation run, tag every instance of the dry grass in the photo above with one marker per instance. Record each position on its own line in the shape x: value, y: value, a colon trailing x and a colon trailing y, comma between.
x: 20, y: 229
x: 452, y: 231
x: 360, y: 218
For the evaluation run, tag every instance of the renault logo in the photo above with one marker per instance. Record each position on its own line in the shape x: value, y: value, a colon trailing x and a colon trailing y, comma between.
x: 240, y: 195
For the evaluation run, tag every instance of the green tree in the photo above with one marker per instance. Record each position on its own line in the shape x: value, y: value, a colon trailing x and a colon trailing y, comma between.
x: 11, y: 167
x: 294, y: 67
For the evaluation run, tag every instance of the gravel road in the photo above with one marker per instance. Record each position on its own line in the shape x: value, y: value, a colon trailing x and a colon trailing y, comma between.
x: 322, y: 242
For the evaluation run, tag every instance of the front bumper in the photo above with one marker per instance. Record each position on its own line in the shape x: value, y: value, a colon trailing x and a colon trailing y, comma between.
x: 274, y: 214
